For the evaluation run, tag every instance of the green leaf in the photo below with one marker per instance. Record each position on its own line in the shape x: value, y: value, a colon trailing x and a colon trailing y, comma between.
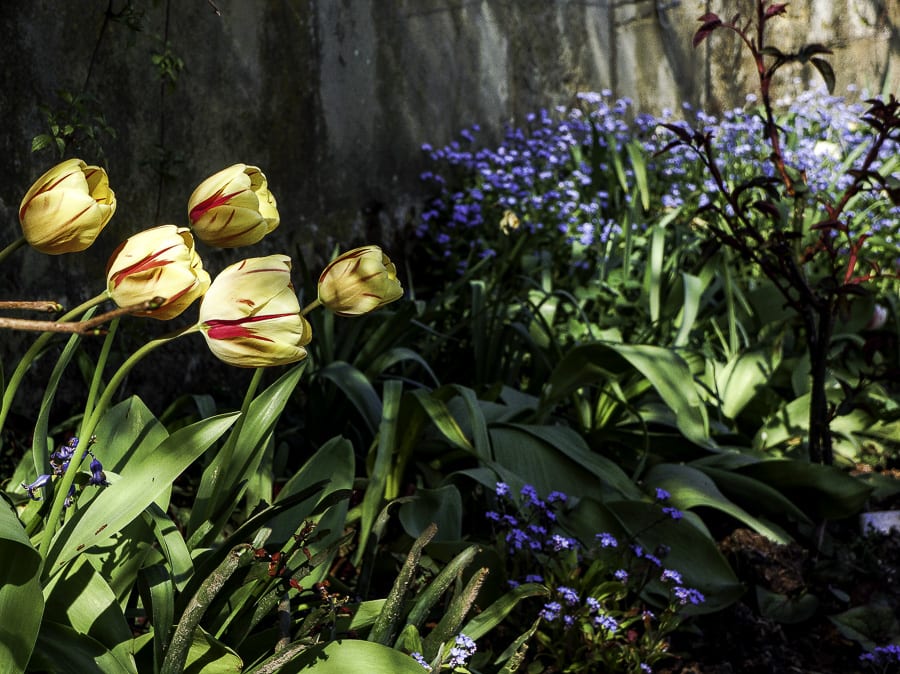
x: 439, y: 414
x: 667, y: 372
x: 690, y: 488
x: 745, y: 375
x: 826, y: 71
x: 225, y: 477
x: 64, y: 650
x: 208, y: 655
x: 81, y: 596
x: 761, y: 495
x: 692, y: 552
x: 442, y: 506
x: 358, y: 389
x: 343, y: 656
x: 384, y: 451
x: 494, y: 614
x: 143, y: 479
x: 21, y: 601
x: 784, y: 609
x: 547, y: 456
x: 867, y: 625
x: 822, y: 491
x: 635, y: 151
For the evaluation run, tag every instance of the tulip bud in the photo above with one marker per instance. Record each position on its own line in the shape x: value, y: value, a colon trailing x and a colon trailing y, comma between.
x: 66, y: 208
x: 233, y: 208
x: 359, y: 281
x: 250, y: 315
x: 158, y: 262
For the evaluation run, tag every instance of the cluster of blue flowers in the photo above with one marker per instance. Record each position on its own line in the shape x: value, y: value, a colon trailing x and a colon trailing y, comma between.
x: 882, y: 656
x: 59, y: 462
x: 555, y: 171
x: 526, y: 524
x: 462, y: 649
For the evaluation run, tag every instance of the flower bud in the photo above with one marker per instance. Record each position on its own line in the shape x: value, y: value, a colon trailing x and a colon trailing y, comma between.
x: 158, y: 262
x: 359, y: 281
x: 66, y: 208
x: 233, y: 208
x: 250, y: 316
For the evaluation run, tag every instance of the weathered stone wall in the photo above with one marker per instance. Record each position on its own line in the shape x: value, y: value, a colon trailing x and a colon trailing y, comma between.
x: 333, y: 98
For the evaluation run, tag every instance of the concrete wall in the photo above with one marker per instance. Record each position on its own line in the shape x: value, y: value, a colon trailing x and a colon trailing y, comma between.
x: 333, y: 98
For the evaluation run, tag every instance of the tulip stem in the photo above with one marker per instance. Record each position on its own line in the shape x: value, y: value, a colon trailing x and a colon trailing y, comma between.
x: 88, y: 425
x: 34, y: 351
x: 312, y: 305
x: 11, y: 248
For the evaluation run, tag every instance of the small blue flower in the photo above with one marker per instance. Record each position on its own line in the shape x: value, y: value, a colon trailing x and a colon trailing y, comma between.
x: 687, y: 595
x: 674, y: 576
x: 534, y: 578
x: 607, y: 540
x: 607, y: 622
x: 462, y: 651
x: 501, y: 489
x: 621, y: 575
x: 662, y: 494
x: 418, y: 657
x: 563, y: 543
x: 551, y: 611
x: 674, y: 513
x: 568, y: 595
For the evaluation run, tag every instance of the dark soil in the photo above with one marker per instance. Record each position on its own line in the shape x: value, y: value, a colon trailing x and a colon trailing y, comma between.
x: 822, y: 612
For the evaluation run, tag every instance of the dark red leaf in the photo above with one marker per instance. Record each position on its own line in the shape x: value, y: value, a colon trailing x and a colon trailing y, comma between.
x: 776, y: 9
x: 706, y: 18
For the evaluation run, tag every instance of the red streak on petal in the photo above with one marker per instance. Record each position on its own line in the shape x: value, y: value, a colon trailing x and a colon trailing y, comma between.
x: 216, y: 199
x: 234, y: 328
x: 150, y: 262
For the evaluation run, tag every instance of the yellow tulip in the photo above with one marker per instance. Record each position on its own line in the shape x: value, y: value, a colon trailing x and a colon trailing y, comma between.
x: 250, y: 316
x: 359, y: 281
x: 158, y: 262
x: 66, y: 208
x: 233, y: 208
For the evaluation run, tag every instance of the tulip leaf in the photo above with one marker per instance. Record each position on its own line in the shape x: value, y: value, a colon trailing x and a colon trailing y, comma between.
x: 21, y: 601
x: 142, y: 480
x: 342, y: 656
x: 224, y: 478
x: 385, y: 449
x: 358, y: 389
x: 91, y: 608
x: 64, y: 650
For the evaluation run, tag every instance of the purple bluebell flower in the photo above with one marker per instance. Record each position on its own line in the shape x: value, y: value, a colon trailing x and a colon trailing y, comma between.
x: 534, y: 578
x: 662, y: 494
x: 37, y: 484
